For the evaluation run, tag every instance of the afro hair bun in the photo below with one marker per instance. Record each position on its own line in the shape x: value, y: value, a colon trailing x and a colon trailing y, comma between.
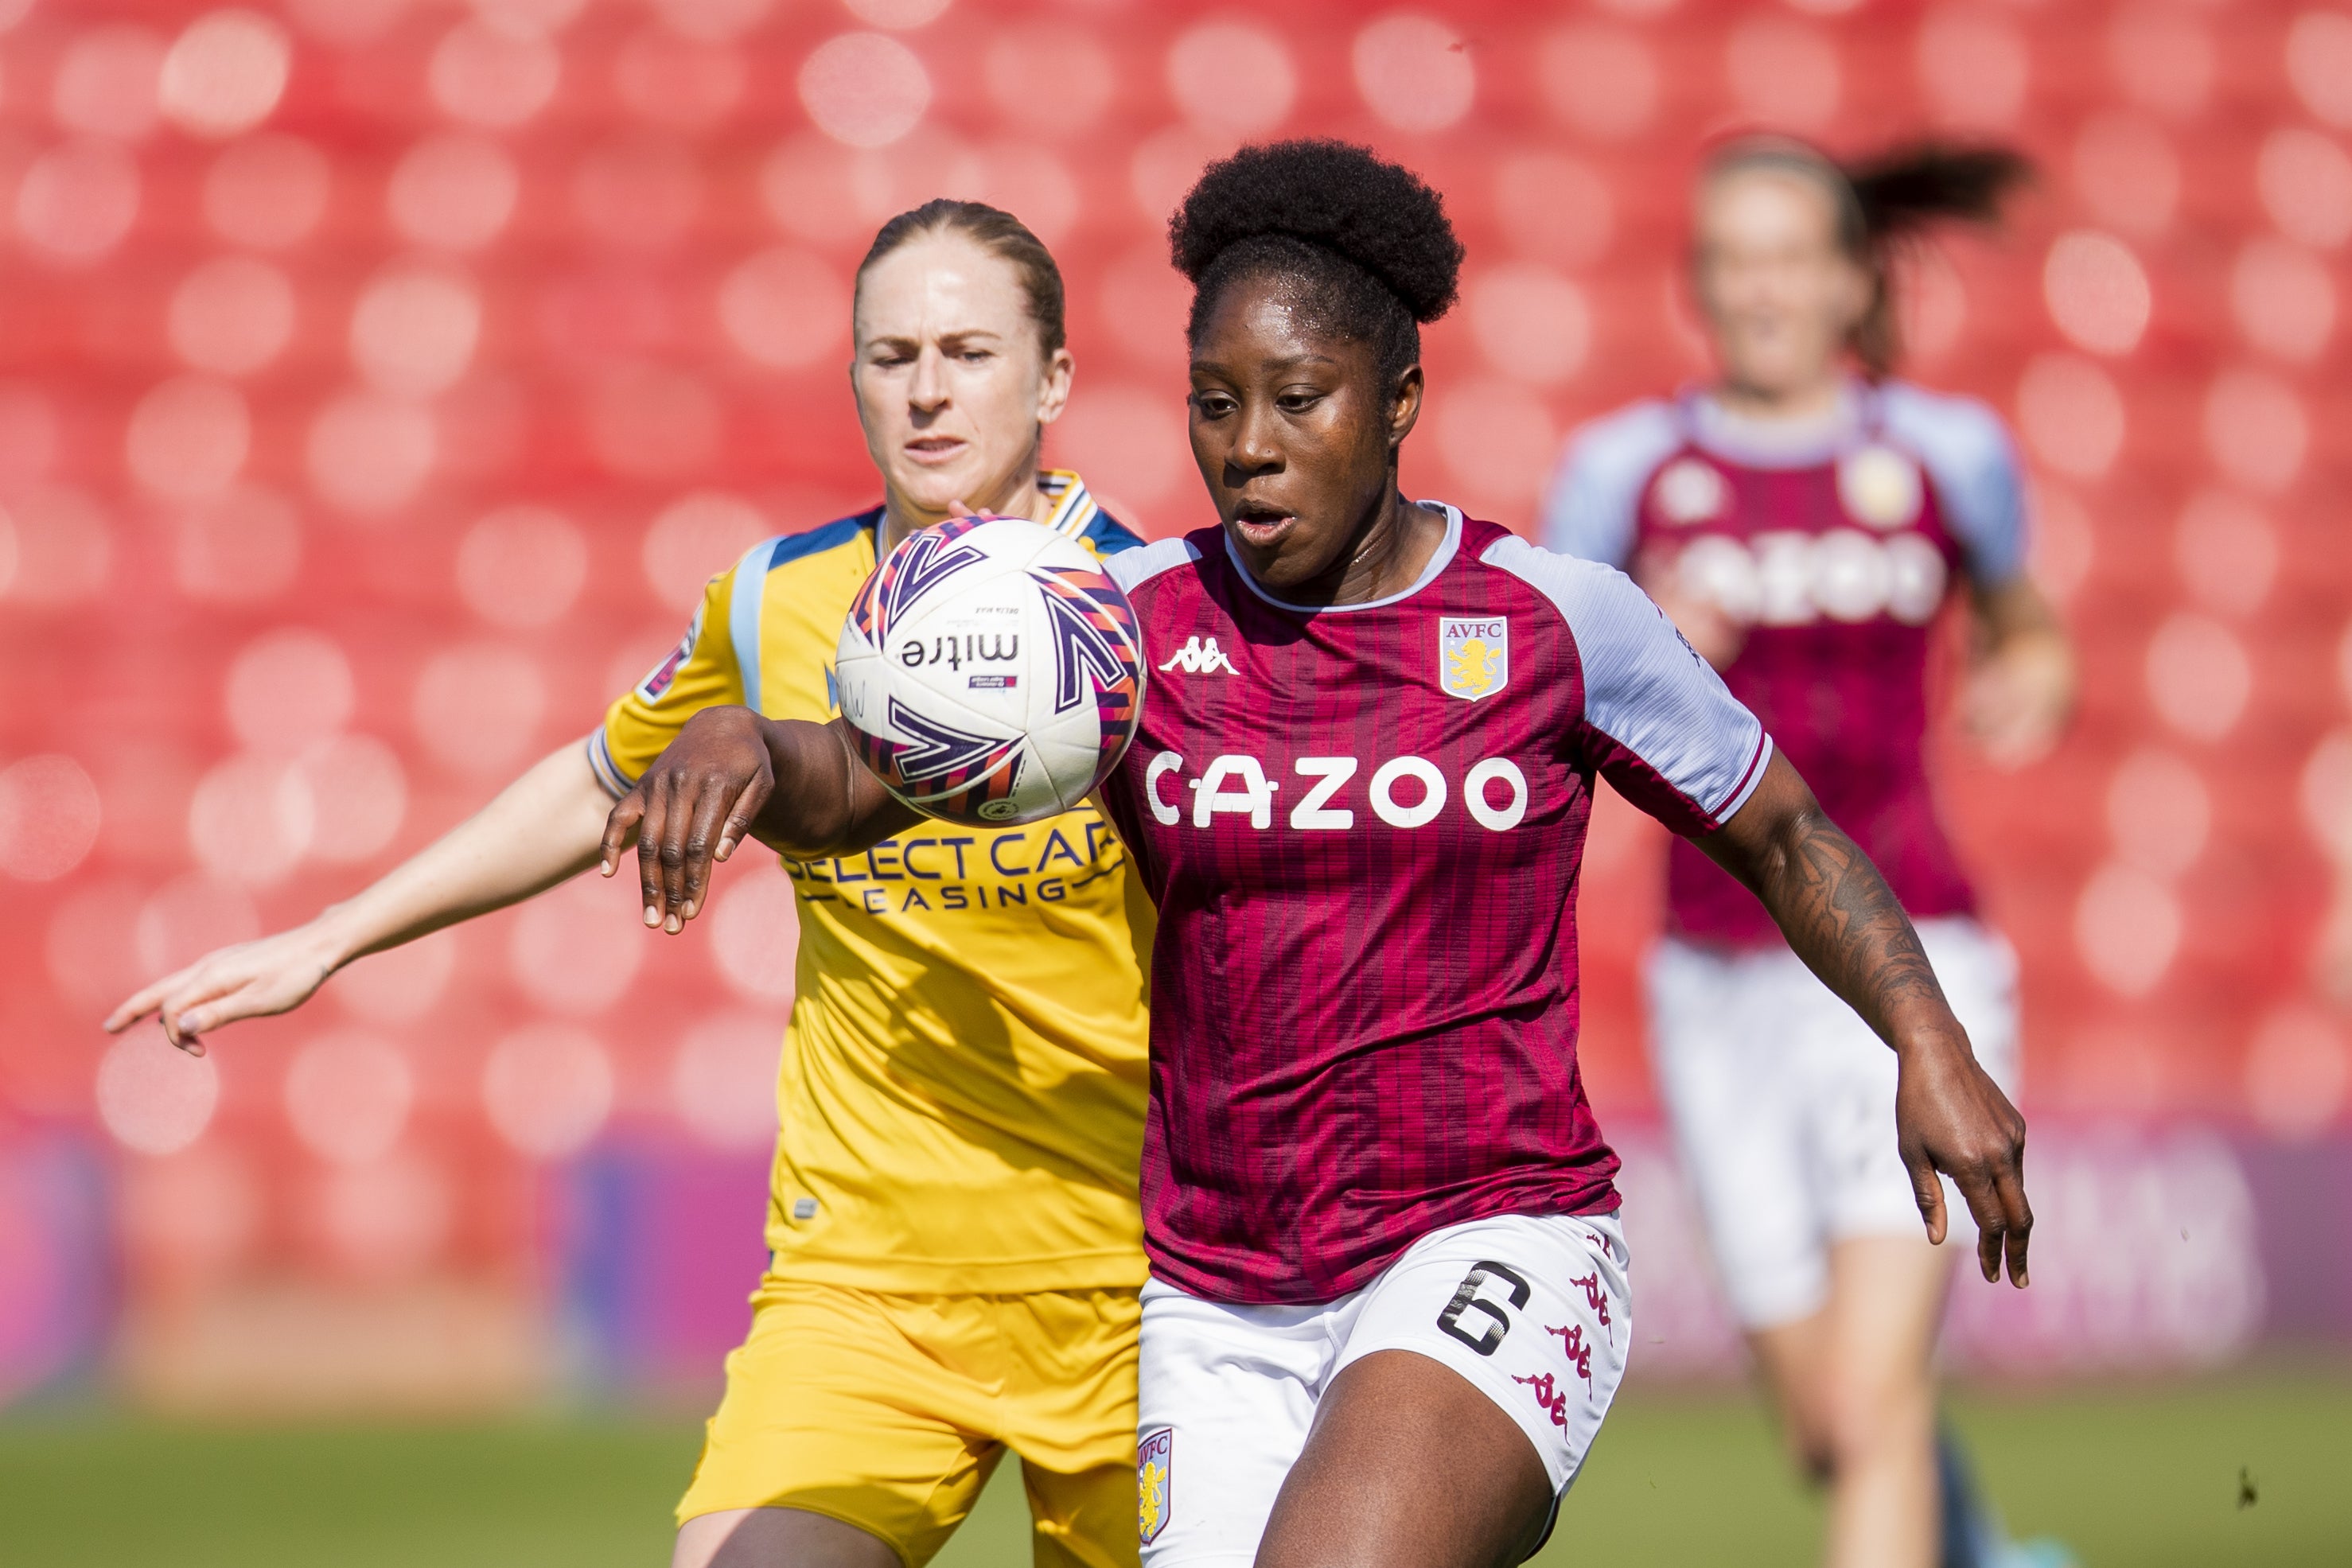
x: 1332, y: 194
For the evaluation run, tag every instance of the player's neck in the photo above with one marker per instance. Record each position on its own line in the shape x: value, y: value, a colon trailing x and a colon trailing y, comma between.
x: 1021, y: 499
x: 1813, y: 399
x: 1389, y: 555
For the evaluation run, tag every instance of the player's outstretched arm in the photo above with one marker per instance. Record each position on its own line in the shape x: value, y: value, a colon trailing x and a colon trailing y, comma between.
x: 798, y: 788
x: 1844, y: 921
x: 540, y: 830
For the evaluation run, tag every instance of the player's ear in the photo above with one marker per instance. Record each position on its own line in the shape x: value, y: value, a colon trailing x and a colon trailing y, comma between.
x: 1404, y: 404
x: 1054, y: 386
x: 1860, y: 295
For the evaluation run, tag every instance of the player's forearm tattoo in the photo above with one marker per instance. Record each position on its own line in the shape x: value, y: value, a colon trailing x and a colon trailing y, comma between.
x: 1846, y: 921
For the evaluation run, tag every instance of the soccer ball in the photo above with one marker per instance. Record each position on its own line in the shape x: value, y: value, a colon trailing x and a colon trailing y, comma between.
x: 990, y: 671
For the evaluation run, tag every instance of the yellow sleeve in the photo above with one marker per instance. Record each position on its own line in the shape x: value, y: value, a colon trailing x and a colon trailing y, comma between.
x: 701, y: 672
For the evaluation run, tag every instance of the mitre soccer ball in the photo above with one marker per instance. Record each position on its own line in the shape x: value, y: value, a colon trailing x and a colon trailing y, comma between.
x: 991, y: 670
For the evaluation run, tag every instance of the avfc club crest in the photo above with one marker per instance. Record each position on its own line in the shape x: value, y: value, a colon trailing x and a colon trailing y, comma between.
x: 1473, y: 654
x: 1881, y: 486
x: 1154, y: 1456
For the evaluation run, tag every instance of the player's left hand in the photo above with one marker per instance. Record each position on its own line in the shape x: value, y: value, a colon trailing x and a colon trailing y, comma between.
x: 1950, y: 1116
x: 693, y: 806
x: 2016, y: 701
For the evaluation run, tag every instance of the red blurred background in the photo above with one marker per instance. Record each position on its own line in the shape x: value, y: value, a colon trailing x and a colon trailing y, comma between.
x: 380, y: 379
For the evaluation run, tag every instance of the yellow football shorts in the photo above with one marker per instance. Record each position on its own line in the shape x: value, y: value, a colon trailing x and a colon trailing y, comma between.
x: 889, y: 1413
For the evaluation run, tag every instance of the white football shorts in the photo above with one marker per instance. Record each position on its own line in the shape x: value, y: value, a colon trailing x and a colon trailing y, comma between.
x: 1782, y: 1101
x: 1532, y: 1309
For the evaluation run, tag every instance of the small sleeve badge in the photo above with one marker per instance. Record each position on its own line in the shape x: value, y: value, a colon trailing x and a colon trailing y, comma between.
x: 656, y: 685
x: 1154, y: 1457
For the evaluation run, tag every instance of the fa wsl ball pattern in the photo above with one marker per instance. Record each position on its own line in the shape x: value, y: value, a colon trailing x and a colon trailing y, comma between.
x: 989, y: 671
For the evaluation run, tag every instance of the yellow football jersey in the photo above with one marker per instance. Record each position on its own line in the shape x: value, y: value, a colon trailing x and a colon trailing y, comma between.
x: 963, y: 1084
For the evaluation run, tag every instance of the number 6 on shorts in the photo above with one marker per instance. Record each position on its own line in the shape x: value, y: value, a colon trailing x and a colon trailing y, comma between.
x: 1467, y: 1299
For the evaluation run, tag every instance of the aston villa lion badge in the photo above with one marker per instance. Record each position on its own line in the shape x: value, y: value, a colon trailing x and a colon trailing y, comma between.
x: 1153, y: 1457
x: 1473, y: 654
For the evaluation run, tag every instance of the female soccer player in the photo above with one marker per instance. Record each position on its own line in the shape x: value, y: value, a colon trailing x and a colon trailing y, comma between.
x: 1388, y: 1306
x: 1805, y: 520
x: 956, y: 1246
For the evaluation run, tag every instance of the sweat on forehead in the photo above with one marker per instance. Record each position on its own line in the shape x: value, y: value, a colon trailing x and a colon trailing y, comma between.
x: 942, y: 282
x: 1272, y: 299
x: 994, y: 231
x: 1324, y: 294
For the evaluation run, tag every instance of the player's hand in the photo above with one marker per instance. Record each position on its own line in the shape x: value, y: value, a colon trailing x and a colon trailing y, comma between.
x: 2017, y: 700
x: 693, y: 806
x: 2331, y: 960
x: 252, y: 979
x: 1713, y: 635
x: 1950, y: 1116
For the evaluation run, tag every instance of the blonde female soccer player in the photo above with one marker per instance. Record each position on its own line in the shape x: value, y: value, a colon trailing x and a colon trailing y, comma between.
x: 1806, y: 519
x: 956, y: 1244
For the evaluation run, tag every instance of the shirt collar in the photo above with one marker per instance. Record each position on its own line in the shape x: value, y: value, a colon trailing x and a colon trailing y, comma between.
x: 1439, y: 560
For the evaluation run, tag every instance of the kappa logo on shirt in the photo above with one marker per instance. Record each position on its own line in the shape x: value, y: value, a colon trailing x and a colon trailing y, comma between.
x: 1199, y: 657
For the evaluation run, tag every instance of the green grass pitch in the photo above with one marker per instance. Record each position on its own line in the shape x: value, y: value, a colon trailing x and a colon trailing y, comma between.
x: 2143, y: 1475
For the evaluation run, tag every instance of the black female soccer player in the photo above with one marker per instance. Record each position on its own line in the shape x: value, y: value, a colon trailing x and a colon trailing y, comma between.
x: 1389, y: 1303
x: 1806, y: 520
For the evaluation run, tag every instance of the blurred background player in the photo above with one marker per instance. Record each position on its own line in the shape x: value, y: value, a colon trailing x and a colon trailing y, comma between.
x: 1387, y: 1308
x: 961, y: 1090
x: 1805, y: 520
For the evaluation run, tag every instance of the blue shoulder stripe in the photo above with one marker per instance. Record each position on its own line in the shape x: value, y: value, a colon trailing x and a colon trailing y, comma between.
x: 817, y: 540
x: 751, y: 582
x: 1109, y: 535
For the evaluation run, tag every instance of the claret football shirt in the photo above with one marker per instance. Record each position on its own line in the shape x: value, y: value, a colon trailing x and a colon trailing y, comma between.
x: 1362, y: 827
x: 1835, y: 544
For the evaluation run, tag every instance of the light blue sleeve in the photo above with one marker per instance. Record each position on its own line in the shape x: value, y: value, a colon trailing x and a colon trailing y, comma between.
x: 1594, y: 499
x: 1658, y: 722
x: 1131, y: 569
x: 1972, y: 463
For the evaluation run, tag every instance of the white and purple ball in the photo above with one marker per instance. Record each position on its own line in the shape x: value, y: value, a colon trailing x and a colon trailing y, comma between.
x: 991, y: 670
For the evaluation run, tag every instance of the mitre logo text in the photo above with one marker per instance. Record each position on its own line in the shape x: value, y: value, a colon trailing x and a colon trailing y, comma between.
x: 1326, y: 793
x: 955, y: 652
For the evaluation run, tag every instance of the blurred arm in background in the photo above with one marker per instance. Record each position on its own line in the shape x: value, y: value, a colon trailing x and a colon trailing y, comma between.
x: 2331, y: 957
x: 543, y: 829
x: 2020, y: 688
x: 2021, y: 682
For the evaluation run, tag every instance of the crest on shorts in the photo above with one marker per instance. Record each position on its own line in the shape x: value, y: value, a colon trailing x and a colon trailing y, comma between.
x: 1154, y: 1457
x: 1473, y: 654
